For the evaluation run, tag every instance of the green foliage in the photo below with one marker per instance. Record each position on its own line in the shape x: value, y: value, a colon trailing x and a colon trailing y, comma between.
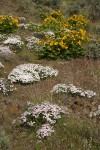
x: 4, y: 141
x: 8, y: 24
x: 97, y: 30
x: 93, y: 49
x: 69, y: 36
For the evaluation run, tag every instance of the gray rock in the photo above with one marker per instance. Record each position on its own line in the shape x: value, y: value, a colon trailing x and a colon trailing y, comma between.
x: 5, y: 49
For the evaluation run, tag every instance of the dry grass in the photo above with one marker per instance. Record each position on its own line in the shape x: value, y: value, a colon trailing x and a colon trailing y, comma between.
x: 82, y: 73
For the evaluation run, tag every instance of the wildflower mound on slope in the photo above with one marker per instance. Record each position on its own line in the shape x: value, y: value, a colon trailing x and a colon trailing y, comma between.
x: 72, y: 90
x: 28, y: 73
x: 43, y: 115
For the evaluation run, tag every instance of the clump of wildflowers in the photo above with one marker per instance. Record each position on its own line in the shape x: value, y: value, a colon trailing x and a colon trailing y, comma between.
x: 32, y: 43
x: 44, y: 115
x: 54, y: 21
x: 69, y: 38
x: 45, y: 131
x: 71, y: 89
x: 14, y: 41
x: 8, y: 23
x: 78, y: 21
x: 27, y: 73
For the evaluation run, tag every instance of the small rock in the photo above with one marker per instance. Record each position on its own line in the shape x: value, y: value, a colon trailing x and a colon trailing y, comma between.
x: 5, y: 49
x: 22, y: 20
x: 23, y: 26
x: 1, y: 65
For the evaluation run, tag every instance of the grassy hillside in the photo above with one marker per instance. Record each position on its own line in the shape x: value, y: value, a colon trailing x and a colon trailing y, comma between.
x: 79, y: 127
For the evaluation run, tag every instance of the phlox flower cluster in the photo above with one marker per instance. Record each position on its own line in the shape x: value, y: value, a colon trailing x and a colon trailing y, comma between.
x: 45, y: 115
x: 14, y: 40
x: 71, y: 89
x: 32, y: 43
x: 6, y: 87
x: 27, y: 73
x: 95, y: 113
x: 45, y: 131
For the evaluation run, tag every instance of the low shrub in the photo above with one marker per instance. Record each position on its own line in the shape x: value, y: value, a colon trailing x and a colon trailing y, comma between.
x: 8, y: 24
x: 54, y: 21
x: 96, y: 30
x: 72, y: 90
x: 51, y: 3
x: 91, y: 8
x: 94, y: 11
x: 93, y: 51
x: 43, y: 117
x: 69, y: 36
x: 75, y: 7
x: 78, y: 21
x: 4, y: 141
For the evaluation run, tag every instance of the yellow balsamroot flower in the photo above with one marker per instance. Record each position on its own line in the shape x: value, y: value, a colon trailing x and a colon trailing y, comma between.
x: 58, y: 12
x: 72, y: 43
x: 83, y: 32
x: 79, y: 43
x: 58, y: 49
x: 61, y: 43
x: 10, y: 17
x: 66, y: 47
x: 88, y: 39
x: 63, y: 46
x: 10, y: 23
x: 16, y: 20
x: 40, y: 42
x: 1, y: 22
x: 64, y: 37
x: 82, y: 38
x: 45, y: 43
x: 55, y: 43
x: 51, y: 43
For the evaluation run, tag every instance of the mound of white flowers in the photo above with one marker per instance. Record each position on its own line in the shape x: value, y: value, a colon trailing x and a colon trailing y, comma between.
x: 27, y: 73
x: 32, y: 43
x: 71, y: 89
x: 44, y: 115
x: 14, y: 40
